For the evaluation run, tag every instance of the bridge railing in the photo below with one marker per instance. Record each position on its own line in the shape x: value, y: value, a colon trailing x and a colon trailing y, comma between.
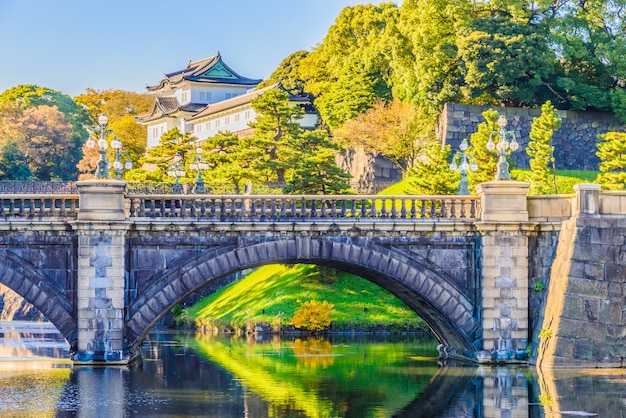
x: 39, y: 206
x: 303, y: 207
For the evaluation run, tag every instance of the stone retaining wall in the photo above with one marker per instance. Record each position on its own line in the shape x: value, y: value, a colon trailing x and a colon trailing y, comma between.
x: 574, y: 143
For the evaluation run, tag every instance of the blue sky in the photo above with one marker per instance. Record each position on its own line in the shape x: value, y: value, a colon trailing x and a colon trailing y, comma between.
x: 70, y: 45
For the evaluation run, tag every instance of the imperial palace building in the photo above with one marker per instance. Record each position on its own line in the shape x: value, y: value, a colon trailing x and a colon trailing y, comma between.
x: 207, y: 97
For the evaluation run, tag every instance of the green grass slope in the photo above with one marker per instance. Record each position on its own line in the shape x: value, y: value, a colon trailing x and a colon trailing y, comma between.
x: 565, y: 181
x: 273, y: 293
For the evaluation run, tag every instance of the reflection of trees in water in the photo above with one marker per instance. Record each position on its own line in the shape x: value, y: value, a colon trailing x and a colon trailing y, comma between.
x: 313, y: 352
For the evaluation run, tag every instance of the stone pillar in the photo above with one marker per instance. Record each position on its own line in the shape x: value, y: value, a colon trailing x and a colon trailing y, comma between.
x: 587, y: 200
x: 504, y: 229
x: 101, y: 228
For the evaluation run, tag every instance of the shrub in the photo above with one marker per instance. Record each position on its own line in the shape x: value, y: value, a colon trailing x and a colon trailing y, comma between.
x: 312, y: 315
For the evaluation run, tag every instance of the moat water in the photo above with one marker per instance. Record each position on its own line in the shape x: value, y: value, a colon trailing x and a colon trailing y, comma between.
x: 182, y: 374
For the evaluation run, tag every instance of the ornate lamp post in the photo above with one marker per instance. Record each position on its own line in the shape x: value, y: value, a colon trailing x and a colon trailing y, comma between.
x: 116, y: 144
x: 177, y: 170
x: 102, y: 170
x: 503, y: 147
x: 103, y: 165
x: 464, y: 166
x: 199, y: 164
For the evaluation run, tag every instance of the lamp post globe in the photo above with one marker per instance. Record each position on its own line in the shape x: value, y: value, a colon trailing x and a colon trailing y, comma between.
x: 464, y: 166
x: 506, y: 144
x: 103, y: 165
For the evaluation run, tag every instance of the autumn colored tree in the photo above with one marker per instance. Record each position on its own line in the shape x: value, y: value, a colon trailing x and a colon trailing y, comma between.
x: 396, y: 130
x: 121, y: 107
x: 30, y: 96
x: 43, y: 135
x: 612, y: 154
x: 542, y: 152
x: 313, y: 315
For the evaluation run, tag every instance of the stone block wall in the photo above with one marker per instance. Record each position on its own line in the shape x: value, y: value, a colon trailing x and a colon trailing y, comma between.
x: 584, y: 322
x: 370, y: 172
x: 574, y: 143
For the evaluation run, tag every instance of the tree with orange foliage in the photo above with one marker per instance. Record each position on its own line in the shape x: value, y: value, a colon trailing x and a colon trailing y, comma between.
x: 396, y: 130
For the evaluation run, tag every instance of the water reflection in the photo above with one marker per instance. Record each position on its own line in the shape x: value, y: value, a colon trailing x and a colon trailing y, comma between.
x: 185, y: 375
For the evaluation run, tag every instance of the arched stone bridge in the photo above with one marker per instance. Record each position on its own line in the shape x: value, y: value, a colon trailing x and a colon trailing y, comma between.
x: 104, y: 266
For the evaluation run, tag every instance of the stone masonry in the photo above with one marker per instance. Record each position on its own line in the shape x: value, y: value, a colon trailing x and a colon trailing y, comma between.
x: 504, y: 270
x: 101, y: 275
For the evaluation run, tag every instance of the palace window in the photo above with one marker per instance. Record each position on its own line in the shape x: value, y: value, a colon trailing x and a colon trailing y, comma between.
x: 226, y: 120
x: 247, y: 114
x: 237, y: 118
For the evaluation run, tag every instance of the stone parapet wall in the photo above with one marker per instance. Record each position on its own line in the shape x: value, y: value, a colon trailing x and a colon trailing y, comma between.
x: 574, y: 143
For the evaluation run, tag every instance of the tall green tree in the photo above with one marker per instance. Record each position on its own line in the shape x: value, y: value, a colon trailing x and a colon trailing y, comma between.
x: 350, y: 69
x: 316, y: 170
x: 232, y: 160
x: 275, y: 130
x: 426, y: 67
x: 155, y: 164
x: 541, y: 151
x: 506, y: 58
x: 432, y: 175
x: 612, y: 154
x: 590, y: 40
x: 288, y: 74
x: 12, y: 162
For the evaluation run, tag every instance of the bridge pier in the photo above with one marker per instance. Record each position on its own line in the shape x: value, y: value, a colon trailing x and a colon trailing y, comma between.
x: 504, y: 303
x: 101, y: 230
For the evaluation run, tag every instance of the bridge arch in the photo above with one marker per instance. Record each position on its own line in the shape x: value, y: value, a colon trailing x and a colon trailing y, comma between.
x: 41, y: 292
x: 447, y: 311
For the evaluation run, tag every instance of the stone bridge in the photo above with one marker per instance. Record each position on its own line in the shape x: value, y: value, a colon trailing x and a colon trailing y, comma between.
x: 105, y: 266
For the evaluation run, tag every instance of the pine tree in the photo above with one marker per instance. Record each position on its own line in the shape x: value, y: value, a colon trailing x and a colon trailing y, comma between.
x: 612, y: 154
x: 432, y: 175
x: 541, y: 150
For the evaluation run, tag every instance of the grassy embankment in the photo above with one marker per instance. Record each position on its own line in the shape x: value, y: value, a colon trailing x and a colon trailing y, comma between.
x: 270, y: 294
x: 565, y: 180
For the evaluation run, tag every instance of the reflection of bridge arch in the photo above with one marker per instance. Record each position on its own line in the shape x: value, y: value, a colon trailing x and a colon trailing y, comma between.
x: 448, y: 312
x: 41, y: 292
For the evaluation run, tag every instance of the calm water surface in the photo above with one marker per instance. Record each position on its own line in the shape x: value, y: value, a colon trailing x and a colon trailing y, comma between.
x: 182, y: 374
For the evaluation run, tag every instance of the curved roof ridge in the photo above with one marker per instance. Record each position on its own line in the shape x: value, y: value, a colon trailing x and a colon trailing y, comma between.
x: 232, y: 102
x: 212, y: 69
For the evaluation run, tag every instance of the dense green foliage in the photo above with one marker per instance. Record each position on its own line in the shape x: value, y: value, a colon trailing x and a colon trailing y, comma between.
x: 489, y: 52
x: 271, y: 293
x: 612, y: 153
x: 542, y: 180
